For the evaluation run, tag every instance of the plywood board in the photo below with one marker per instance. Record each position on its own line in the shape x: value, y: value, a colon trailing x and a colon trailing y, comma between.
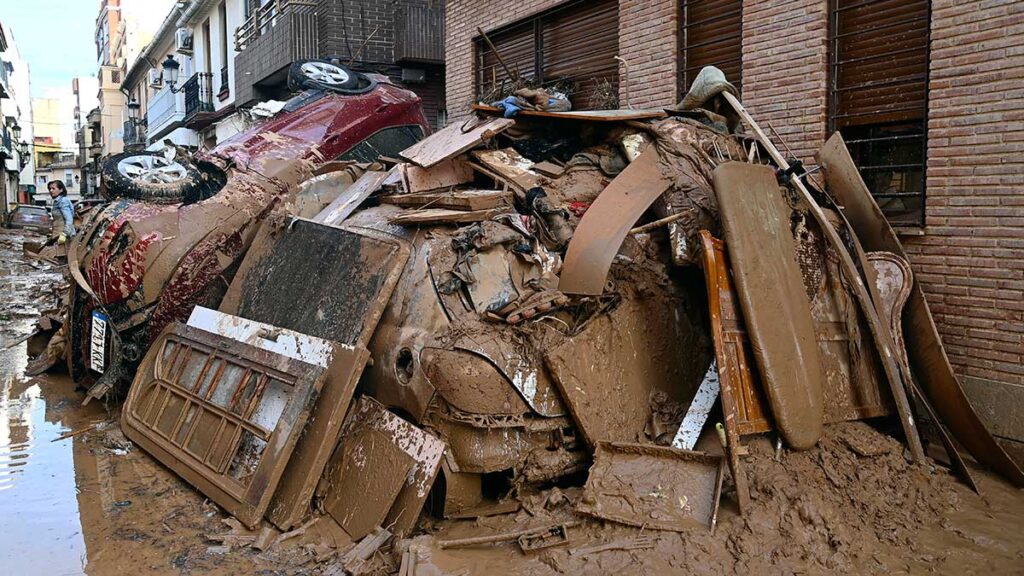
x: 510, y: 166
x: 430, y: 216
x: 445, y: 174
x: 468, y: 200
x: 452, y: 140
x: 346, y: 203
x: 756, y: 220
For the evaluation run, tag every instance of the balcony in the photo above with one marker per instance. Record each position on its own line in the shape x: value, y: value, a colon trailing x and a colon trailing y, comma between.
x: 5, y: 91
x: 198, y: 92
x: 166, y: 111
x: 134, y: 134
x: 419, y: 34
x: 274, y: 36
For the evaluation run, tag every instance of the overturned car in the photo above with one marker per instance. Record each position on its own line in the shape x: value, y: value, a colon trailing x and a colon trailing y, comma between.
x: 176, y: 225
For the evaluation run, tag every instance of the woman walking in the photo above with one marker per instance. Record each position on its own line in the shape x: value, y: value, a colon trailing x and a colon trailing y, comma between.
x: 63, y: 213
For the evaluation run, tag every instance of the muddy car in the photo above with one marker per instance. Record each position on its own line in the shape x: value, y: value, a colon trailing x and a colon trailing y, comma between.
x: 28, y: 217
x: 177, y: 226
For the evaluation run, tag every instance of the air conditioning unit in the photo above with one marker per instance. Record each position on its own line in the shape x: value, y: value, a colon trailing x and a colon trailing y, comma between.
x: 156, y: 80
x: 183, y: 41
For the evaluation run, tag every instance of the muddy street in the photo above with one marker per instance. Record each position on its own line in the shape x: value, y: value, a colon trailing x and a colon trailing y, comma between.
x: 77, y: 497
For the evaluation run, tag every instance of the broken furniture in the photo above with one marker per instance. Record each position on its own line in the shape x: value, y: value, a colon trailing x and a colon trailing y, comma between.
x: 653, y: 486
x: 225, y: 414
x: 755, y: 216
x: 381, y: 472
x: 927, y: 357
x: 346, y: 287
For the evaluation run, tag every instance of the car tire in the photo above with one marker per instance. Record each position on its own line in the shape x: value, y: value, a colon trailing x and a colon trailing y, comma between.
x: 150, y: 177
x: 328, y: 76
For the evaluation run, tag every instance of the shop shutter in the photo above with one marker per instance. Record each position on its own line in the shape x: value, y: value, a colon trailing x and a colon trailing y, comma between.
x: 711, y: 34
x: 574, y: 44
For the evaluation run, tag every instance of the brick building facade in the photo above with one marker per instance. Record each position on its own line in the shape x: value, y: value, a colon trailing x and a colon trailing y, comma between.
x: 968, y: 245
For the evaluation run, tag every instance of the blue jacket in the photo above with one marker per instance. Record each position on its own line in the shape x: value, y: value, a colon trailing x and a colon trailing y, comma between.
x: 67, y: 211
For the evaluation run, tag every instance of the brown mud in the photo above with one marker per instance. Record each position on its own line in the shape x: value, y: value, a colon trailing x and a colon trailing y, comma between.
x: 92, y: 503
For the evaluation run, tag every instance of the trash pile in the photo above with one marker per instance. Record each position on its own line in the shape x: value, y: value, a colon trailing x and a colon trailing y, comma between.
x: 607, y: 300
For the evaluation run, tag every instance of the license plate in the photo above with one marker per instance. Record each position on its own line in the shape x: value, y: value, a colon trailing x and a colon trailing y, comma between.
x: 99, y: 342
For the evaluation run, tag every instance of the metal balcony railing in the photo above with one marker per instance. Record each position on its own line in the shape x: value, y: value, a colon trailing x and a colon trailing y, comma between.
x: 198, y: 94
x: 265, y: 17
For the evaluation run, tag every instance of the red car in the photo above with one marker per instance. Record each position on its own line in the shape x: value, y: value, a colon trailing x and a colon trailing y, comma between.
x: 180, y: 227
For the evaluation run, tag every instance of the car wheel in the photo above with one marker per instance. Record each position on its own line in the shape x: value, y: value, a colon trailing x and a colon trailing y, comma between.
x: 150, y: 176
x: 328, y: 76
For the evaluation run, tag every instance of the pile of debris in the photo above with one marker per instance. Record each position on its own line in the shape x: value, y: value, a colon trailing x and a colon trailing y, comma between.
x: 484, y: 316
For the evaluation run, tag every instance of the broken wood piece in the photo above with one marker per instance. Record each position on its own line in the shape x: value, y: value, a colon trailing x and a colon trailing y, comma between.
x: 459, y: 136
x: 653, y: 486
x: 879, y: 332
x: 266, y: 538
x: 74, y: 433
x: 510, y: 166
x: 355, y: 559
x: 432, y: 216
x: 549, y: 169
x: 604, y: 226
x: 505, y: 537
x: 658, y: 223
x: 469, y: 200
x: 637, y: 543
x: 346, y: 203
x: 445, y: 174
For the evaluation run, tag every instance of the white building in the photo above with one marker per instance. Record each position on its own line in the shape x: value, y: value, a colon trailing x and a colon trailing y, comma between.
x: 16, y: 125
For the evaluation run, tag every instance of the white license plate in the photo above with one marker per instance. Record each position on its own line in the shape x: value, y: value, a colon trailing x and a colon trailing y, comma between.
x: 99, y: 342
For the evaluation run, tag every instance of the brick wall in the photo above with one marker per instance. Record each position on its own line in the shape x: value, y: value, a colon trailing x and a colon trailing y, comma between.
x: 971, y: 258
x: 647, y: 41
x: 785, y: 67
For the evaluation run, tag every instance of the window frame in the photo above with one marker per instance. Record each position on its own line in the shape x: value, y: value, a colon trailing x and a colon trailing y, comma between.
x: 832, y: 94
x: 682, y: 49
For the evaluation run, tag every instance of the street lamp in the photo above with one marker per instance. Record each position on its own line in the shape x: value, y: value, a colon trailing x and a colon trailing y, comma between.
x: 23, y: 153
x: 135, y: 122
x: 16, y: 131
x: 170, y: 73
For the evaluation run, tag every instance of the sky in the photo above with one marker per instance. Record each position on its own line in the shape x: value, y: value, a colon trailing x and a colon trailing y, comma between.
x: 56, y: 37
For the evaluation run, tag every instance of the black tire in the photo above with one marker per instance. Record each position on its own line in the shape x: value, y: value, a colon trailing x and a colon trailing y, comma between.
x: 181, y: 182
x: 347, y: 81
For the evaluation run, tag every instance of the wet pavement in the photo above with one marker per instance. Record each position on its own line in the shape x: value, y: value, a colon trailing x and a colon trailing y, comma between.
x: 76, y: 497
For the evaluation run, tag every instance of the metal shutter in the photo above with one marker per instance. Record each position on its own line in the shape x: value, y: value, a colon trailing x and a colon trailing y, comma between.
x: 575, y: 42
x: 711, y: 34
x: 879, y: 61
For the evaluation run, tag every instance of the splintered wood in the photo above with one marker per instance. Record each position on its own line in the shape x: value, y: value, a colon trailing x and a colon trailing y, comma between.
x: 458, y: 137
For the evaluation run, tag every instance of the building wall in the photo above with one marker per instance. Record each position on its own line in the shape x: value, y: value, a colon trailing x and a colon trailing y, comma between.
x: 969, y: 257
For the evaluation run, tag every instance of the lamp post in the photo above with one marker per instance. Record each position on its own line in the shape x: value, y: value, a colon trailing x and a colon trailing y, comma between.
x: 170, y: 73
x: 133, y: 119
x: 16, y: 131
x: 23, y: 153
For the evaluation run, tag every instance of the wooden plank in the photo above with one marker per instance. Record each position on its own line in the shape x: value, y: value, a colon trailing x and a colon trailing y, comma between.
x: 445, y: 174
x: 603, y: 228
x: 879, y: 331
x: 510, y: 166
x: 455, y: 200
x: 346, y: 203
x: 588, y: 115
x: 442, y: 216
x: 755, y: 217
x: 458, y: 137
x: 549, y: 169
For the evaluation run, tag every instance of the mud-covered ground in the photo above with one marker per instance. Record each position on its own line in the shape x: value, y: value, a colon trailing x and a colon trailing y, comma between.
x: 92, y: 503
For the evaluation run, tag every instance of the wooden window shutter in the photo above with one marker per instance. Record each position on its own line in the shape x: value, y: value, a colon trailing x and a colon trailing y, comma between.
x: 710, y: 34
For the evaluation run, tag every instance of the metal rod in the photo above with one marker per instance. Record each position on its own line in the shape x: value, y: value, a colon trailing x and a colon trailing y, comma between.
x: 496, y: 54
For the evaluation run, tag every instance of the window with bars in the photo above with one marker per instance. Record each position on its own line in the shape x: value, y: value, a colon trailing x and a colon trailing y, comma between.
x: 878, y: 97
x: 710, y: 34
x: 570, y: 47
